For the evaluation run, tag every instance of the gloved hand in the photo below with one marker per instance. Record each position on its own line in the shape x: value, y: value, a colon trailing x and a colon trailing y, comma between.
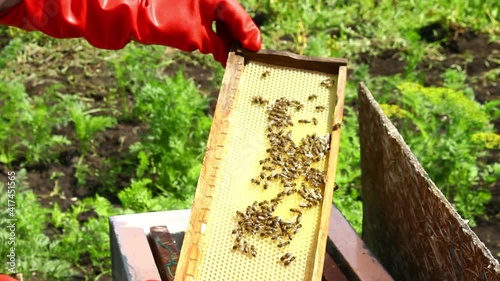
x: 111, y: 24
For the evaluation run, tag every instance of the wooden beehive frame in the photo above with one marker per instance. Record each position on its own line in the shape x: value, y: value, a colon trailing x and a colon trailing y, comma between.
x: 194, y: 243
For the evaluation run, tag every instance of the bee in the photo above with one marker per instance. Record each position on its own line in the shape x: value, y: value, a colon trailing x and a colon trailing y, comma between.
x: 283, y: 244
x: 265, y: 73
x: 304, y: 121
x: 254, y: 208
x: 311, y: 199
x: 255, y: 181
x: 299, y: 107
x: 335, y: 187
x: 288, y: 261
x: 312, y: 97
x: 315, y: 121
x: 305, y: 205
x: 266, y: 185
x: 267, y: 168
x: 304, y: 188
x: 320, y: 108
x: 328, y: 140
x: 336, y: 126
x: 327, y: 83
x: 252, y: 251
x: 258, y: 100
x: 286, y: 256
x: 299, y: 218
x: 318, y: 196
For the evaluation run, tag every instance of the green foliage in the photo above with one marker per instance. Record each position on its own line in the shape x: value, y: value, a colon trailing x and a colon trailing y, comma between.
x: 349, y: 203
x: 173, y: 149
x: 80, y: 239
x: 441, y: 126
x: 349, y: 28
x: 26, y: 124
x: 139, y: 198
x: 12, y: 113
x: 348, y: 178
x: 488, y: 139
x: 36, y: 252
x: 86, y: 125
x: 55, y: 257
x: 82, y: 170
x: 88, y: 238
x: 9, y: 52
x: 491, y: 108
x: 137, y: 64
x: 455, y: 79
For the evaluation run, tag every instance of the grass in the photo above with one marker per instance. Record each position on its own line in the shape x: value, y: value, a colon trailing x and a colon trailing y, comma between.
x: 43, y: 94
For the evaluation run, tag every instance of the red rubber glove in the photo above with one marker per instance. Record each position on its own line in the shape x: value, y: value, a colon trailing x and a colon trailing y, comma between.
x: 111, y: 24
x: 7, y: 278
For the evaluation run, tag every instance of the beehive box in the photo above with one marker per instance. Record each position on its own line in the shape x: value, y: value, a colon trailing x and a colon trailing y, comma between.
x: 279, y: 115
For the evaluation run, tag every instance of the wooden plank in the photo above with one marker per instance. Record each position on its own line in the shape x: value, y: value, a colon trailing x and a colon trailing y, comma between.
x: 407, y: 222
x: 207, y: 181
x: 331, y: 271
x: 131, y: 255
x: 287, y: 59
x: 330, y: 175
x: 350, y: 253
x: 132, y: 259
x: 164, y: 251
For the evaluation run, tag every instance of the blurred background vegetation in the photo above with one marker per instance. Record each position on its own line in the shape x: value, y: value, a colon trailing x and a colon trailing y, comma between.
x: 93, y: 133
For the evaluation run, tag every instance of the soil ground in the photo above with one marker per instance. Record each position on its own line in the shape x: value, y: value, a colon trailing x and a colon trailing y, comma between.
x: 461, y: 47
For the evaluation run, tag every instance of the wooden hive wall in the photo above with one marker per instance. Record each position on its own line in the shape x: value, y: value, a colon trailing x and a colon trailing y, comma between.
x: 408, y: 223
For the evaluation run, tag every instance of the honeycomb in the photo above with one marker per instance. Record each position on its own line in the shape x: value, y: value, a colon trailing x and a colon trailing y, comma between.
x: 246, y: 144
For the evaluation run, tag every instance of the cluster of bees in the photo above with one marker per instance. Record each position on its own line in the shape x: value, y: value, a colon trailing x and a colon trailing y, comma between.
x: 258, y: 219
x: 287, y: 163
